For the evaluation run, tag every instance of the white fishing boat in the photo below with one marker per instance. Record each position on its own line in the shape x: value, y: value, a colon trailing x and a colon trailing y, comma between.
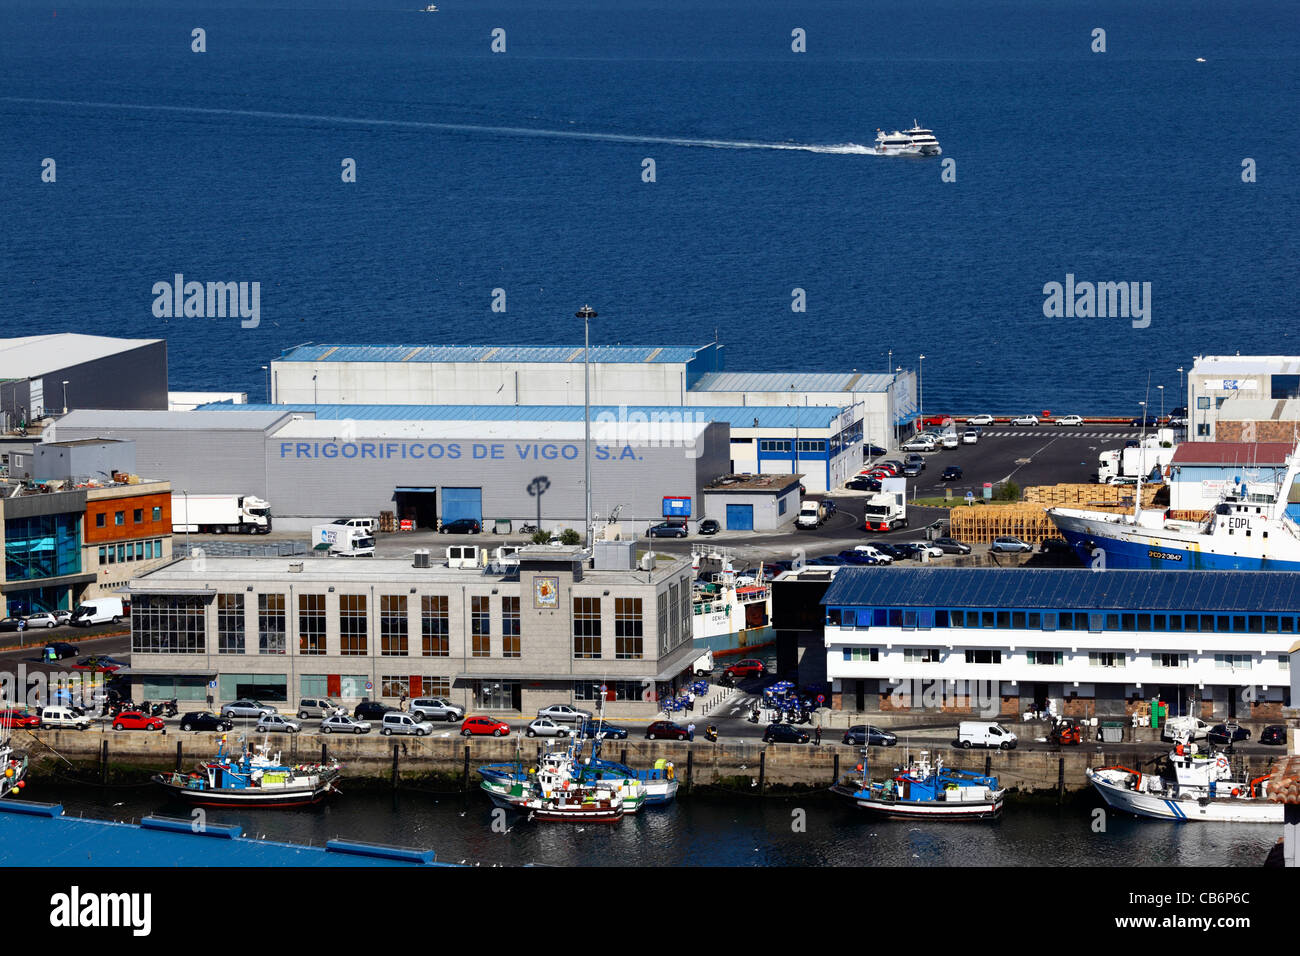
x: 14, y: 764
x: 925, y: 790
x: 732, y: 611
x: 1195, y: 785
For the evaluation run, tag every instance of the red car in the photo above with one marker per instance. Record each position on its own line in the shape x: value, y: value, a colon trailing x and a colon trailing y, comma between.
x: 19, y: 718
x: 665, y: 729
x: 936, y: 421
x: 749, y: 667
x: 135, y: 720
x: 484, y: 726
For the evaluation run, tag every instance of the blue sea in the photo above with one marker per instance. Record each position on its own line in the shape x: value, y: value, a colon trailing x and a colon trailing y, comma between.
x: 523, y: 171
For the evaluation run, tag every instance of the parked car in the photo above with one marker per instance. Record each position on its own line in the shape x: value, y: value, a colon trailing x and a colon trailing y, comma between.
x: 1009, y: 545
x: 913, y: 460
x: 784, y: 734
x: 317, y: 707
x: 895, y: 551
x: 667, y: 529
x: 58, y: 650
x: 18, y: 623
x: 970, y: 436
x: 343, y: 724
x: 591, y: 728
x: 1273, y: 734
x: 435, y: 708
x: 484, y: 727
x: 17, y: 717
x: 1070, y: 420
x: 136, y: 720
x: 461, y: 526
x: 275, y: 724
x: 205, y: 720
x: 936, y: 421
x: 371, y: 710
x: 949, y: 440
x: 951, y: 473
x: 1055, y: 546
x: 58, y: 715
x: 749, y: 667
x: 666, y: 729
x: 912, y: 469
x: 919, y: 548
x: 980, y: 420
x: 868, y: 736
x: 920, y: 443
x: 1147, y: 421
x: 546, y: 727
x: 42, y: 619
x: 1225, y: 735
x: 245, y: 707
x: 873, y: 451
x: 876, y: 552
x: 827, y: 561
x: 564, y: 713
x: 863, y: 483
x: 709, y: 526
x: 951, y: 546
x: 396, y: 722
x: 1193, y: 728
x: 854, y: 556
x: 1025, y: 420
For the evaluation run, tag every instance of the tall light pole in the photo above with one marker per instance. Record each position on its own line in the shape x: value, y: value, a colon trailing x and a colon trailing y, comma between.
x: 889, y: 362
x: 920, y: 389
x: 267, y: 370
x: 898, y: 371
x: 65, y: 396
x: 1162, y: 402
x: 586, y: 313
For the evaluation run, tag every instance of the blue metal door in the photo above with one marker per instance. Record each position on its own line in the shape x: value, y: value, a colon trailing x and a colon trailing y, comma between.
x: 740, y: 517
x: 462, y: 503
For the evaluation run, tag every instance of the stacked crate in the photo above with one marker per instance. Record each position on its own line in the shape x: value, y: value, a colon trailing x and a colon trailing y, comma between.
x: 981, y: 524
x: 1091, y: 496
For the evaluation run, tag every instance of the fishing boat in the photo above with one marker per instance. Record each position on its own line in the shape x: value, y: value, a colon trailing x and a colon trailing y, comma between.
x: 14, y: 763
x: 513, y: 785
x: 925, y: 791
x: 576, y: 803
x: 1193, y: 785
x: 732, y: 611
x: 253, y: 778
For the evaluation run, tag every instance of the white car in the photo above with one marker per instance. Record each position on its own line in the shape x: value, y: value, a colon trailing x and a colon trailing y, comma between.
x: 980, y: 420
x: 43, y: 619
x: 275, y: 724
x: 1070, y: 420
x: 545, y: 727
x: 1025, y: 420
x: 880, y: 556
x: 970, y: 436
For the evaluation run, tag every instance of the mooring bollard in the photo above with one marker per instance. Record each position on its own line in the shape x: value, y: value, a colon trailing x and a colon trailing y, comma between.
x: 179, y: 756
x: 395, y: 766
x: 762, y: 770
x: 103, y: 762
x: 1060, y: 780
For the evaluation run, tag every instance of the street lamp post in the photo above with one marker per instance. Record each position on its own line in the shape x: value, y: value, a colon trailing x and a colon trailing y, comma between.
x: 898, y: 371
x: 65, y: 396
x: 586, y: 313
x: 920, y: 388
x: 1162, y: 401
x: 267, y: 370
x: 889, y: 362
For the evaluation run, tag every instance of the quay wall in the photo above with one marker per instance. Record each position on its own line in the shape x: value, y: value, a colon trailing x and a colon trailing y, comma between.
x: 727, y: 764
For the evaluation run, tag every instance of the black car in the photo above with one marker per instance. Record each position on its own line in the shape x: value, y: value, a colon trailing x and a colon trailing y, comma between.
x: 461, y: 526
x: 709, y: 526
x: 1055, y: 546
x: 951, y: 473
x: 895, y: 551
x: 865, y: 734
x: 1150, y: 421
x: 205, y: 720
x: 667, y: 529
x: 784, y: 734
x: 950, y: 546
x: 13, y: 624
x: 590, y: 728
x: 863, y: 483
x: 852, y: 556
x: 873, y: 451
x: 58, y: 650
x: 1225, y: 735
x: 371, y: 710
x: 1273, y: 734
x: 827, y: 561
x: 829, y: 506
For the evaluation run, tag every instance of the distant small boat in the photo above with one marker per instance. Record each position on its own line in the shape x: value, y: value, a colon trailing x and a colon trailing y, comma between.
x: 1200, y: 59
x: 431, y: 8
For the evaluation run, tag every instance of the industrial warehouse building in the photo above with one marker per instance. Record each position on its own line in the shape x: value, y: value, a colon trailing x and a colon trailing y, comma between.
x: 555, y: 628
x: 42, y: 375
x: 619, y: 375
x: 1215, y: 644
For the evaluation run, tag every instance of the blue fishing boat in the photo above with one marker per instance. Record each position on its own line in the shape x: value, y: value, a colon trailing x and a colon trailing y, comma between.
x: 251, y: 779
x: 925, y: 791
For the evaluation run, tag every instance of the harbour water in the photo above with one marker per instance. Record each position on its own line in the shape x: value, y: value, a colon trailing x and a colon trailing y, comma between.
x: 713, y: 830
x: 523, y: 171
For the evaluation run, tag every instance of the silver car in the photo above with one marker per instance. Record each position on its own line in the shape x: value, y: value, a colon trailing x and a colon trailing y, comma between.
x: 245, y: 707
x: 343, y: 724
x: 275, y: 724
x: 565, y: 713
x: 546, y: 727
x: 435, y: 708
x: 43, y: 619
x: 1009, y: 545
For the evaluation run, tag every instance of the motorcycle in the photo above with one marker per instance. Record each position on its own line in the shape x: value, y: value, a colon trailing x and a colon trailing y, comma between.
x: 528, y: 529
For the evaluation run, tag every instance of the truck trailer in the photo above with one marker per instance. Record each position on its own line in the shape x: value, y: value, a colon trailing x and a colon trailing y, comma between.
x: 343, y: 540
x: 220, y: 514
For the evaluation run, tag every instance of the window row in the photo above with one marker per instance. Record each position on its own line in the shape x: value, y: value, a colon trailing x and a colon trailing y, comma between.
x: 131, y: 551
x: 119, y: 517
x: 1095, y: 621
x: 934, y: 655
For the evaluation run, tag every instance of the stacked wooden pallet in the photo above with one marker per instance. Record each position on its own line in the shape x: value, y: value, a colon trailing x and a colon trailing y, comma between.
x: 1092, y: 496
x: 981, y: 524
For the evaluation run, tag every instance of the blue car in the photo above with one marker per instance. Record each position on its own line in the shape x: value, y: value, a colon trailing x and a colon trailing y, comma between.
x: 857, y: 557
x: 590, y: 728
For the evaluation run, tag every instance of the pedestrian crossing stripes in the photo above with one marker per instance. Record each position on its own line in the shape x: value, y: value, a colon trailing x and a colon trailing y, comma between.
x: 1057, y: 434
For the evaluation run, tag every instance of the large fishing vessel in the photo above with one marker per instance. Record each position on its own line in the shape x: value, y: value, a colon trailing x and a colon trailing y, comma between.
x: 1194, y: 785
x: 251, y: 779
x: 909, y: 142
x: 732, y: 611
x: 1249, y: 529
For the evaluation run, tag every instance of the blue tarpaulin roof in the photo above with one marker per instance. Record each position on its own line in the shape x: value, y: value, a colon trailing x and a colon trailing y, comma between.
x: 1081, y: 589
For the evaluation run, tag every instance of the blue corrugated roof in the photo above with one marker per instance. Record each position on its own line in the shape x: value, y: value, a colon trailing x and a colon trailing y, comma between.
x: 1080, y: 589
x: 737, y: 416
x: 490, y: 353
x: 796, y: 381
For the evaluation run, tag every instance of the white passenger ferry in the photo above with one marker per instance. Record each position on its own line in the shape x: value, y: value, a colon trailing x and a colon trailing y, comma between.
x: 910, y: 142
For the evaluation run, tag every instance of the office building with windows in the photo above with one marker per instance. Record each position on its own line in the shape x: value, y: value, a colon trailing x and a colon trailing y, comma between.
x: 1089, y: 643
x: 551, y: 629
x: 40, y: 533
x: 1244, y: 398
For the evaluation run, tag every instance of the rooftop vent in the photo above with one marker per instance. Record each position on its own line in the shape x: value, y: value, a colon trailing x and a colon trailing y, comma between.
x: 421, y: 558
x: 295, y: 567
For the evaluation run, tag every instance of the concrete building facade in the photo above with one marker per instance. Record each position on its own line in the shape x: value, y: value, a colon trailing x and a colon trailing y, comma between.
x: 554, y: 629
x: 1257, y: 393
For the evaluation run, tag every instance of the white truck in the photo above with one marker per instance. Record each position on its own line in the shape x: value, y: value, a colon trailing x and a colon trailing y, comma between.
x: 343, y: 540
x: 219, y: 514
x: 811, y: 515
x: 1128, y: 463
x: 886, y: 510
x: 99, y: 611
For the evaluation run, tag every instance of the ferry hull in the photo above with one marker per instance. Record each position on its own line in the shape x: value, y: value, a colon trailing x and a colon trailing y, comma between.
x: 1186, y: 809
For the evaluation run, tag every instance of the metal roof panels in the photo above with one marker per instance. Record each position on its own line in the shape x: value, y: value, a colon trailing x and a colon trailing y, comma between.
x: 523, y: 354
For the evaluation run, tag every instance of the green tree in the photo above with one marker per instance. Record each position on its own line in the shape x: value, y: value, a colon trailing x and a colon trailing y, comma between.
x: 541, y: 537
x: 569, y: 536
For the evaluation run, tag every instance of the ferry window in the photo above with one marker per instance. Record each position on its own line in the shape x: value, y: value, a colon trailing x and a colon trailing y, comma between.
x: 1256, y: 623
x: 987, y: 620
x: 1144, y: 622
x: 1004, y: 619
x: 1288, y: 624
x: 1096, y: 622
x: 1018, y: 620
x: 1081, y: 621
x: 863, y: 619
x: 1270, y: 623
x: 833, y: 616
x: 1033, y: 619
x: 895, y: 617
x: 925, y: 619
x: 1175, y: 621
x: 1049, y: 620
x: 1112, y: 622
x: 879, y: 616
x: 1223, y: 623
x: 1129, y: 622
x: 1065, y: 621
x: 1239, y: 622
x: 909, y: 620
x: 941, y: 617
x: 957, y: 618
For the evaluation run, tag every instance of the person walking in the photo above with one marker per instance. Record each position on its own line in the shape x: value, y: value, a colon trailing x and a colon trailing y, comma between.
x: 817, y: 735
x: 690, y: 702
x: 690, y: 730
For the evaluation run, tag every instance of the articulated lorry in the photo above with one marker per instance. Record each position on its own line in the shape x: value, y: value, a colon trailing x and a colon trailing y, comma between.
x: 344, y: 540
x: 1128, y: 463
x: 220, y: 514
x: 886, y: 511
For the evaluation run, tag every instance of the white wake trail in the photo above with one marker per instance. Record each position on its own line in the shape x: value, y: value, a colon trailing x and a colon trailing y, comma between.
x: 843, y: 148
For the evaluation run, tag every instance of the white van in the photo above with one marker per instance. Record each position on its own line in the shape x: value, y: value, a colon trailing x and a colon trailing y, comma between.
x: 365, y: 524
x: 396, y: 722
x: 60, y: 716
x: 949, y: 440
x: 1193, y: 728
x: 811, y: 515
x: 979, y: 733
x: 98, y: 611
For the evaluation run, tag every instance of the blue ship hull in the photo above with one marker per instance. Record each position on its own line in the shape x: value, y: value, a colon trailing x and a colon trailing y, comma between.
x: 1167, y: 555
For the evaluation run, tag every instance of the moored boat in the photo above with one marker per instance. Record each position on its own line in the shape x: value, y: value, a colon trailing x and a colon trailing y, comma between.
x: 254, y: 779
x: 1193, y: 785
x: 926, y: 791
x: 14, y: 763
